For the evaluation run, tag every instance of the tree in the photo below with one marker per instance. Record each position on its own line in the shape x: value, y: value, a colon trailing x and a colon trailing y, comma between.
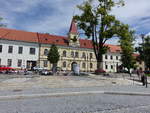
x: 53, y: 56
x: 1, y: 24
x: 127, y: 47
x: 144, y: 50
x: 98, y: 24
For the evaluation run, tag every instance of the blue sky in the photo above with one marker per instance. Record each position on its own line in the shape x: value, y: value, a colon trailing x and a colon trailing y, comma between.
x: 54, y: 16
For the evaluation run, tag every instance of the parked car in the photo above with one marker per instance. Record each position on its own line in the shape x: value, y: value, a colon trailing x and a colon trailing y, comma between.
x: 36, y: 68
x: 45, y: 72
x: 6, y: 69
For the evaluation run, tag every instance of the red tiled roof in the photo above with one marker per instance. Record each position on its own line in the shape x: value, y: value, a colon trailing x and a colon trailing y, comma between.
x: 10, y: 34
x: 114, y: 48
x: 52, y: 39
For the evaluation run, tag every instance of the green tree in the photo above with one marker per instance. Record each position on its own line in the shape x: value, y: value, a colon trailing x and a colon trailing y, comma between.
x: 53, y: 56
x: 127, y: 47
x: 99, y: 24
x: 144, y: 50
x: 1, y: 24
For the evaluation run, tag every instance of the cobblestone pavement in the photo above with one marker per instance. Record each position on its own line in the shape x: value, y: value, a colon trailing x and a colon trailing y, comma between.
x: 79, y: 104
x: 27, y: 82
x: 94, y: 103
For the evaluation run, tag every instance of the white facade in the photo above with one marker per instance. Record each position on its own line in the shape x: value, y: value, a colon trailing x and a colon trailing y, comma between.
x: 111, y: 61
x: 18, y: 60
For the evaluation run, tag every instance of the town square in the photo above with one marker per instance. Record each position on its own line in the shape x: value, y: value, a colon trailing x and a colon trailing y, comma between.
x: 69, y: 56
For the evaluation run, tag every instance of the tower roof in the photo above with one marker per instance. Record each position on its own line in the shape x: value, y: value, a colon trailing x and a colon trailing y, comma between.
x: 73, y: 27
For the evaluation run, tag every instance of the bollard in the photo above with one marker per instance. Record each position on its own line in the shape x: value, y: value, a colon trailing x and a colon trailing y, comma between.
x: 145, y: 81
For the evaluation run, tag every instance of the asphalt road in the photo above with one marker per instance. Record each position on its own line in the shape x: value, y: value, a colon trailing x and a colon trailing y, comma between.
x: 97, y: 103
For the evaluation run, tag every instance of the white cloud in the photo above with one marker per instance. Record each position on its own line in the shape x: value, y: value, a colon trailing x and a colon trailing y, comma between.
x: 133, y: 13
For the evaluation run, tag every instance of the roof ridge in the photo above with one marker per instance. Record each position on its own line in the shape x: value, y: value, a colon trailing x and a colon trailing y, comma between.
x: 16, y: 30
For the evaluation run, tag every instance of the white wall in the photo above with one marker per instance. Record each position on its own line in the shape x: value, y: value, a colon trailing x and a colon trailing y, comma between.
x: 4, y: 56
x: 114, y: 62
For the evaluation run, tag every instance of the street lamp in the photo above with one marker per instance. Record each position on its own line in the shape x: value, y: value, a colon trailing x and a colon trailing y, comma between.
x: 143, y: 36
x: 143, y: 41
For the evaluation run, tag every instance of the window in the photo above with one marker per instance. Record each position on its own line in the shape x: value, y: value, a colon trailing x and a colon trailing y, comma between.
x: 106, y: 66
x: 91, y: 65
x: 9, y: 62
x: 64, y: 53
x: 72, y: 54
x: 1, y: 47
x: 10, y: 49
x: 19, y: 63
x: 106, y: 57
x: 76, y: 54
x: 83, y: 55
x: 83, y: 65
x: 116, y: 57
x: 0, y: 61
x: 46, y: 52
x: 32, y: 51
x: 111, y: 66
x: 91, y: 55
x: 64, y: 64
x: 20, y: 50
x: 140, y: 62
x: 45, y: 63
x: 111, y: 57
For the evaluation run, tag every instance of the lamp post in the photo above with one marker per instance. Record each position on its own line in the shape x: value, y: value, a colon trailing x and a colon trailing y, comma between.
x: 143, y: 41
x: 142, y: 36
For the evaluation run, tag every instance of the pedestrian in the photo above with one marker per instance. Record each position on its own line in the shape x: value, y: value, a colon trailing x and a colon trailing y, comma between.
x: 143, y: 78
x: 138, y: 73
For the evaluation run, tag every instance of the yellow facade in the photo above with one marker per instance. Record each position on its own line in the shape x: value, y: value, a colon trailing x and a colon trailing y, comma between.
x: 85, y: 58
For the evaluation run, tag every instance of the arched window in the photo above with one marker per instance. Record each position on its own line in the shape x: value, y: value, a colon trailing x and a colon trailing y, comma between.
x: 64, y: 53
x: 91, y: 65
x: 72, y: 54
x: 83, y: 65
x: 83, y: 55
x: 46, y: 52
x: 91, y: 55
x: 64, y: 64
x: 76, y: 54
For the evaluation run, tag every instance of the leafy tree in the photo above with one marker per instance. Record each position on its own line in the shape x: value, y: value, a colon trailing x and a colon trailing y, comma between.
x: 53, y: 56
x: 1, y: 24
x: 127, y: 47
x: 144, y: 50
x: 99, y: 24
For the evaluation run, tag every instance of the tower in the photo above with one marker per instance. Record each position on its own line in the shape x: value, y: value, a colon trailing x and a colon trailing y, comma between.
x: 73, y: 35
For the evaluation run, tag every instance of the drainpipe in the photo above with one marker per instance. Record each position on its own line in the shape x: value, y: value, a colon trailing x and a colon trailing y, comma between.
x: 39, y: 49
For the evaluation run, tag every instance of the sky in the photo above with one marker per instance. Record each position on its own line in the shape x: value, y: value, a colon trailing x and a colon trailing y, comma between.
x: 54, y: 16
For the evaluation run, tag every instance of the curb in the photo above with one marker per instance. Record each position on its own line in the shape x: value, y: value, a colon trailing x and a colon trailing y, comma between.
x: 28, y: 96
x: 127, y: 93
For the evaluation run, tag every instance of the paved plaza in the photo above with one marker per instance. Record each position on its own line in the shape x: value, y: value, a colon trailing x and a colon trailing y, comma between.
x: 36, y: 81
x: 116, y: 93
